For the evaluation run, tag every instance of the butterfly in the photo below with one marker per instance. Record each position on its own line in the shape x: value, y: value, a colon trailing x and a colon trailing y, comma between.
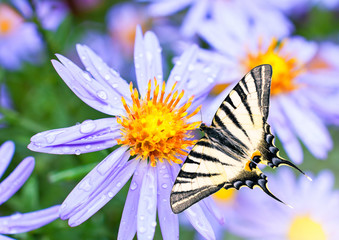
x: 238, y: 139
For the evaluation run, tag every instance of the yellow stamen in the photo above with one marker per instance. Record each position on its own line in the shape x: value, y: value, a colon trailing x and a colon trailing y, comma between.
x: 305, y: 228
x: 155, y: 129
x: 285, y: 67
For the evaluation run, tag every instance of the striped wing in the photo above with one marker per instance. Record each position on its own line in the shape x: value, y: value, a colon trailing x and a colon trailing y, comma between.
x: 239, y: 132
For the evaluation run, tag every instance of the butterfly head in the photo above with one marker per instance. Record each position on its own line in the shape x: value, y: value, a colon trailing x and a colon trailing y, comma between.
x: 203, y: 127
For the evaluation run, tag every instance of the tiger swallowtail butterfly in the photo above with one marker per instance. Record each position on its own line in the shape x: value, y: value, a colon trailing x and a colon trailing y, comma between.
x: 238, y: 139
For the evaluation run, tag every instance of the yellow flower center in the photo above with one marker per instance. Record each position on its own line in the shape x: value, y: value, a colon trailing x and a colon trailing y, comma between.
x: 225, y: 196
x: 9, y: 19
x: 304, y: 228
x: 155, y: 128
x: 218, y: 88
x: 285, y: 67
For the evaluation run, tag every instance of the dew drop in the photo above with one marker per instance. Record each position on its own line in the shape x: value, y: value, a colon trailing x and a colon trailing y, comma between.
x: 50, y: 138
x: 77, y: 152
x: 210, y: 79
x: 66, y: 149
x: 107, y: 76
x: 133, y: 186
x: 83, y: 58
x: 142, y: 217
x: 87, y: 77
x: 164, y: 185
x: 115, y: 85
x: 102, y: 94
x: 110, y: 194
x: 87, y: 126
x: 88, y: 146
x: 207, y: 70
x: 153, y: 224
x: 191, y: 67
x: 142, y: 229
x: 149, y: 56
x: 178, y: 63
x: 137, y: 65
x: 166, y: 175
x: 85, y: 185
x: 177, y: 77
x: 118, y: 184
x: 63, y: 206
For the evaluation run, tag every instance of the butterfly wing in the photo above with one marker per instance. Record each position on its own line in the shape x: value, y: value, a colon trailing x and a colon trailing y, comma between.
x: 238, y: 137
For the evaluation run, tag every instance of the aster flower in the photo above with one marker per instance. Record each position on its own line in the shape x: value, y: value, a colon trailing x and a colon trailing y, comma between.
x: 154, y: 130
x: 18, y: 222
x: 50, y: 13
x: 19, y: 40
x: 116, y: 45
x: 294, y: 83
x: 313, y: 216
x: 234, y: 12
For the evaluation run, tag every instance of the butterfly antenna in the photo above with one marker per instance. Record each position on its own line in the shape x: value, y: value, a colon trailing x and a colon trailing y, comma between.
x: 263, y: 185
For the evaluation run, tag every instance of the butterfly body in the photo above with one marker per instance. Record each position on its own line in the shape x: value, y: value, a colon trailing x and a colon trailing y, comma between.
x: 238, y: 139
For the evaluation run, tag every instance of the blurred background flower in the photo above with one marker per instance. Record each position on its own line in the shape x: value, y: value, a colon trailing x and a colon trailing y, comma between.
x: 299, y: 38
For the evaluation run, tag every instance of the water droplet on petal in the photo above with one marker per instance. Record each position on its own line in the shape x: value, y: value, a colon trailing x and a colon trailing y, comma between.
x: 87, y: 76
x: 77, y: 152
x: 191, y: 67
x: 142, y: 229
x: 178, y: 63
x: 210, y: 79
x: 66, y: 149
x: 133, y: 186
x: 166, y: 175
x: 107, y: 76
x: 110, y: 194
x: 102, y: 94
x: 164, y: 185
x: 85, y: 185
x: 137, y: 65
x: 207, y: 70
x: 88, y: 146
x: 115, y: 85
x: 142, y: 217
x: 177, y: 77
x: 118, y: 184
x: 153, y: 224
x: 63, y: 206
x: 149, y: 56
x: 87, y: 126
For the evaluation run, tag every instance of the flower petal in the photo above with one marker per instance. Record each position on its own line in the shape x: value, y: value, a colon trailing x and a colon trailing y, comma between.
x: 147, y: 59
x: 95, y: 181
x: 197, y: 218
x: 195, y: 214
x: 89, y: 136
x: 167, y: 7
x: 20, y: 223
x: 308, y: 127
x: 282, y: 128
x: 180, y: 71
x: 169, y: 223
x: 194, y: 17
x: 147, y: 207
x: 88, y: 89
x: 109, y: 78
x: 112, y: 187
x: 6, y: 153
x: 128, y: 223
x: 16, y: 179
x: 214, y: 210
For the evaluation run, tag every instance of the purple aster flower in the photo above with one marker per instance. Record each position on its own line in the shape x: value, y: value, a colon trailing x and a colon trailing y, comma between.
x: 314, y: 214
x: 155, y: 130
x: 19, y: 40
x: 294, y: 84
x: 117, y: 45
x: 50, y: 13
x: 236, y: 13
x: 18, y: 222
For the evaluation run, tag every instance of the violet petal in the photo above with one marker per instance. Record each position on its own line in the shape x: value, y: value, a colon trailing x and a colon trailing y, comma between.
x: 214, y: 210
x: 89, y: 136
x: 128, y: 223
x: 19, y: 223
x: 6, y: 153
x: 88, y: 89
x: 100, y: 199
x: 147, y: 207
x: 16, y: 179
x: 104, y: 74
x: 147, y: 59
x: 90, y: 184
x: 169, y: 222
